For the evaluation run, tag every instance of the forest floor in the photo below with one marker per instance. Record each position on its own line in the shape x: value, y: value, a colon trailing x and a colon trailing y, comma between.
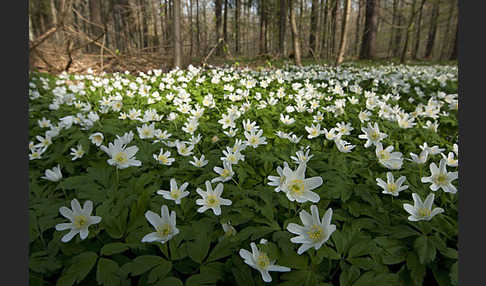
x: 54, y: 61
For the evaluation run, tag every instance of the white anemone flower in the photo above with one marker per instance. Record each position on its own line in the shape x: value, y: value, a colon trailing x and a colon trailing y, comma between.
x: 53, y: 174
x: 211, y: 199
x: 175, y: 194
x: 421, y: 158
x: 298, y: 188
x: 96, y: 138
x: 388, y: 158
x: 165, y: 226
x: 422, y: 210
x: 372, y: 135
x: 80, y: 218
x: 183, y: 149
x: 253, y: 139
x: 440, y: 178
x: 260, y: 261
x: 225, y: 174
x: 121, y: 156
x: 201, y: 162
x: 313, y: 130
x: 164, y: 157
x: 314, y: 232
x: 392, y: 187
x: 278, y: 181
x: 77, y: 152
x: 450, y: 160
x: 301, y: 157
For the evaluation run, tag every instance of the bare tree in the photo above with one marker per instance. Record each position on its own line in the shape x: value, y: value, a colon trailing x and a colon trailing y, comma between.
x: 369, y: 35
x: 282, y: 26
x: 237, y: 26
x: 433, y: 29
x: 344, y: 34
x: 177, y: 34
x: 313, y: 28
x: 295, y: 35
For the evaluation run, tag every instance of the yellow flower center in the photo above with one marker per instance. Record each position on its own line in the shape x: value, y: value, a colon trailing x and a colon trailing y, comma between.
x: 297, y: 187
x: 423, y: 212
x: 121, y: 158
x: 212, y: 200
x: 164, y: 230
x: 392, y: 187
x: 175, y: 193
x: 225, y: 173
x: 316, y: 233
x: 253, y: 140
x: 262, y: 261
x: 163, y: 159
x: 383, y: 155
x: 146, y: 132
x: 441, y: 179
x: 80, y: 221
x: 374, y: 135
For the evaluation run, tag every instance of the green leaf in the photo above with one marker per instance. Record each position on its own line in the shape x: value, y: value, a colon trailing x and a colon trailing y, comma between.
x: 417, y: 269
x: 201, y: 279
x: 113, y: 248
x: 425, y: 249
x: 144, y: 263
x: 328, y: 252
x: 159, y: 272
x: 223, y: 249
x: 349, y: 275
x: 80, y: 268
x: 360, y: 249
x: 454, y: 274
x: 108, y: 272
x: 169, y: 281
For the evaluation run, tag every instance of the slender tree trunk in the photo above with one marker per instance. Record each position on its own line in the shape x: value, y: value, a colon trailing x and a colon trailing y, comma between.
x: 54, y: 17
x: 237, y: 27
x: 454, y: 49
x: 218, y: 8
x: 225, y: 23
x: 369, y: 35
x: 158, y: 23
x: 445, y: 43
x: 95, y: 17
x: 324, y: 37
x: 31, y: 29
x: 313, y: 28
x: 333, y: 29
x: 262, y: 26
x: 295, y: 35
x: 390, y: 42
x: 358, y: 25
x: 282, y: 27
x: 177, y: 34
x: 433, y: 29
x: 417, y: 35
x: 344, y: 35
x: 191, y: 29
x: 409, y: 30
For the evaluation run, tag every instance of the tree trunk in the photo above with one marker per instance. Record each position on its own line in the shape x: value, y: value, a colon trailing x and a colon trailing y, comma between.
x: 433, y: 29
x: 454, y: 49
x: 358, y: 25
x: 313, y: 28
x: 262, y: 26
x: 158, y: 23
x: 54, y: 17
x: 295, y: 35
x: 409, y: 30
x: 225, y: 23
x: 390, y: 42
x: 177, y: 34
x: 342, y: 48
x: 31, y: 30
x: 445, y: 42
x: 218, y: 8
x: 417, y: 35
x: 324, y: 37
x: 333, y: 28
x: 95, y: 18
x: 237, y: 27
x: 369, y: 35
x: 282, y: 27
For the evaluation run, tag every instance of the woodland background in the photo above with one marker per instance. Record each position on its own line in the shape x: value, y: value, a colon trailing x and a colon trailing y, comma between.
x: 138, y: 35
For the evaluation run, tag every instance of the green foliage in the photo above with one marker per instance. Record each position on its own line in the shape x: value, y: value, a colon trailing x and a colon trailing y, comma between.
x: 374, y: 243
